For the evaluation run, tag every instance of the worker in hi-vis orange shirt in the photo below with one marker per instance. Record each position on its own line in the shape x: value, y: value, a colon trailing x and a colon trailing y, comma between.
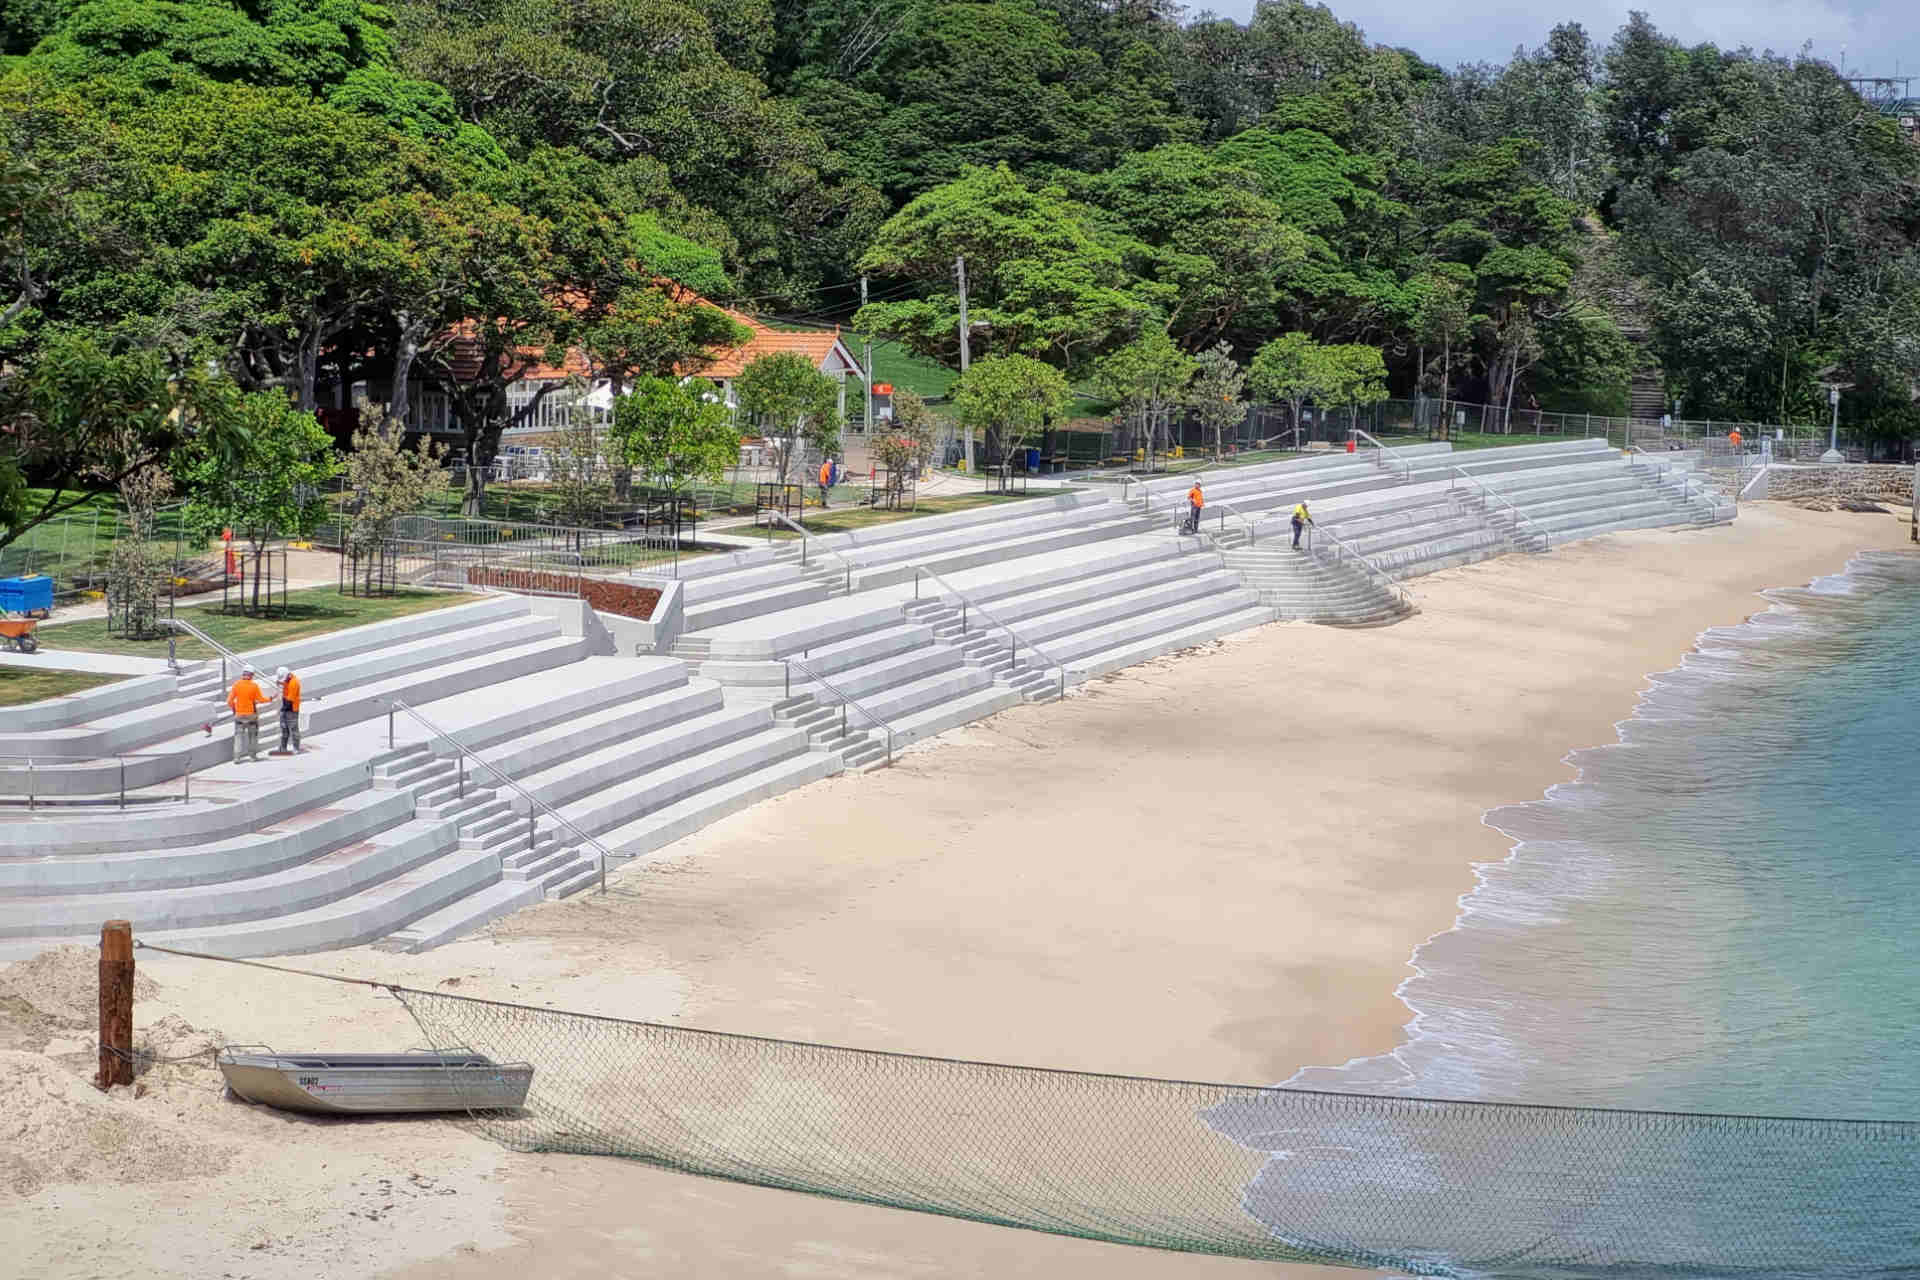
x: 246, y: 699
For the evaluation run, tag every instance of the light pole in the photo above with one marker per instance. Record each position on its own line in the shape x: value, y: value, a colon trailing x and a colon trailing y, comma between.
x: 1833, y: 453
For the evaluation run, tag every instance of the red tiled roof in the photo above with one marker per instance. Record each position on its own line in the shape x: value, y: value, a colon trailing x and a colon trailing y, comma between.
x: 815, y: 344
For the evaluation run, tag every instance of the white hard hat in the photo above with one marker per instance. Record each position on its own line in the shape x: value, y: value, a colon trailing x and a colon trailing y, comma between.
x: 246, y: 668
x: 282, y: 674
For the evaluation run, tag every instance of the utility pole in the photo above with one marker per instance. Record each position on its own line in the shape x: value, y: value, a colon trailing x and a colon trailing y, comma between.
x: 966, y: 346
x: 866, y: 423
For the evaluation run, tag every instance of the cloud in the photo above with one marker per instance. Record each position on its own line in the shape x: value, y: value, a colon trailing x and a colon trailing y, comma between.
x: 1880, y: 37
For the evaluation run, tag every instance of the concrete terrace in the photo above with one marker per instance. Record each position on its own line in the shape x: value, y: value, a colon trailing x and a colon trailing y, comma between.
x: 542, y: 736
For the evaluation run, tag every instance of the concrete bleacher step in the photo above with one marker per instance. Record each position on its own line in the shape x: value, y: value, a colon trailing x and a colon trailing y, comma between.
x: 690, y: 808
x: 1145, y: 631
x: 751, y: 604
x: 936, y: 718
x: 1167, y: 639
x: 315, y: 883
x: 598, y: 730
x: 465, y: 914
x: 593, y: 773
x: 331, y: 820
x: 375, y: 912
x: 871, y: 678
x: 428, y: 684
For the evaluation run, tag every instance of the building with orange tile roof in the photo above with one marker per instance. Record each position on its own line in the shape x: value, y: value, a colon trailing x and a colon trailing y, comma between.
x: 430, y: 411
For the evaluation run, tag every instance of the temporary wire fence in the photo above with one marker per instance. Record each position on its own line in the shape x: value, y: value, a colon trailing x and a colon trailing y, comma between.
x: 1425, y: 1187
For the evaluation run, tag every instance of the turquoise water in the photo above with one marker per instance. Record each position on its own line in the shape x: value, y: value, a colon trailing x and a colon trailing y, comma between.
x: 1719, y: 916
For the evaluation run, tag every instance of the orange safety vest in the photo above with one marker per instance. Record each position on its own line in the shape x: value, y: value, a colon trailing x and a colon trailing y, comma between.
x: 826, y: 473
x: 290, y: 693
x: 246, y: 697
x: 1194, y: 496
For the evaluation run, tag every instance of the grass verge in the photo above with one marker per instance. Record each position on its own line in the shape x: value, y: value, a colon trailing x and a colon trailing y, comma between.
x: 847, y: 519
x: 312, y: 612
x: 19, y: 685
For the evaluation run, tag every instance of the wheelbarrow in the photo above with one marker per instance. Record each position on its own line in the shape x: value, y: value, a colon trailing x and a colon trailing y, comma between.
x: 17, y: 633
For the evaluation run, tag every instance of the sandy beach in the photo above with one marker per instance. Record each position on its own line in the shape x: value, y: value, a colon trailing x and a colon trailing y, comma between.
x: 1213, y: 866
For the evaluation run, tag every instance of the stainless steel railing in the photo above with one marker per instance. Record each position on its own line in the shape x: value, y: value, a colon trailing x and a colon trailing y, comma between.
x: 226, y: 655
x: 805, y: 538
x: 534, y: 803
x: 1344, y: 551
x: 1666, y: 471
x: 967, y: 603
x: 1386, y: 456
x: 846, y: 700
x: 1519, y: 516
x: 35, y: 763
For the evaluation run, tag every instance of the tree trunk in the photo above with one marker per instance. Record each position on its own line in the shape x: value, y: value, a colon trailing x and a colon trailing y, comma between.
x: 309, y: 372
x: 403, y: 354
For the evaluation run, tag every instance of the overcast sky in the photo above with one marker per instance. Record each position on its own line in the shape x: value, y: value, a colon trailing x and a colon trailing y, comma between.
x: 1878, y: 35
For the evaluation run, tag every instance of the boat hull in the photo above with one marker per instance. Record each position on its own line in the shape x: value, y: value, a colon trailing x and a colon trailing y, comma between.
x: 376, y: 1083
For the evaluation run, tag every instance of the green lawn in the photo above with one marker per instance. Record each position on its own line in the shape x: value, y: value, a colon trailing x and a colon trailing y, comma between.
x: 848, y: 518
x: 894, y: 364
x: 73, y: 548
x: 20, y: 685
x: 312, y: 612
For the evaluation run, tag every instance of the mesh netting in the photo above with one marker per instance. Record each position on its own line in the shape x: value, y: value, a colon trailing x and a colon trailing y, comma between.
x: 1430, y: 1188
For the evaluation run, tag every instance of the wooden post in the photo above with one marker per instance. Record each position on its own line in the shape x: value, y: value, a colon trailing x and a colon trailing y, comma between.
x: 116, y: 1004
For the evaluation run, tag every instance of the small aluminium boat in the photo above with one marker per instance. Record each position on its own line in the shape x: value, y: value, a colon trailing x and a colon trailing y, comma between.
x: 375, y: 1083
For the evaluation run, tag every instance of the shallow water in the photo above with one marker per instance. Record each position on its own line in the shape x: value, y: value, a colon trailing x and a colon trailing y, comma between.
x: 1718, y: 916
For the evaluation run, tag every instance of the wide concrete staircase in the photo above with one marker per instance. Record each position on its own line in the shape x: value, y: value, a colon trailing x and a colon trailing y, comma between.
x: 420, y: 811
x: 1307, y: 587
x: 168, y: 726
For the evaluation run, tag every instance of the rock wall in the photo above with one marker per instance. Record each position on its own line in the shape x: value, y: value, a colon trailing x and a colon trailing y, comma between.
x: 1886, y: 482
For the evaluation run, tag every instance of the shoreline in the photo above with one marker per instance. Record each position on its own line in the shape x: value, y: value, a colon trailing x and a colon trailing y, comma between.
x: 1332, y: 1077
x: 1217, y: 865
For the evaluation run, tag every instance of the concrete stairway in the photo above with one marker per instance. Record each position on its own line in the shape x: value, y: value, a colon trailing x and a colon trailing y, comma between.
x: 349, y: 677
x: 1301, y: 586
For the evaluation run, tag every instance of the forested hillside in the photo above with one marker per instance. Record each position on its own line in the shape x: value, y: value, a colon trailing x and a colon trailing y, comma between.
x: 284, y: 192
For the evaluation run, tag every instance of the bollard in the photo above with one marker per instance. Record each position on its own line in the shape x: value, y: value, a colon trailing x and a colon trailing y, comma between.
x: 116, y: 1004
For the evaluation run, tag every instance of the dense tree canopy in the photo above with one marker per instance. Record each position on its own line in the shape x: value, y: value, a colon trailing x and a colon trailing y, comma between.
x: 318, y: 193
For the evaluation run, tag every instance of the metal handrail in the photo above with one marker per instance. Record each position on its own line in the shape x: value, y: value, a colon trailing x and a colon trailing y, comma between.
x: 1392, y: 583
x: 967, y: 603
x: 505, y: 563
x: 1386, y: 454
x: 533, y: 802
x: 804, y: 537
x: 180, y: 624
x: 1519, y: 516
x: 846, y: 700
x: 1663, y: 467
x: 118, y: 757
x: 1238, y: 514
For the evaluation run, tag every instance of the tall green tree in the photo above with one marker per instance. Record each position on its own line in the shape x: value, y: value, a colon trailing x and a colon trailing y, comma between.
x: 1148, y: 376
x: 1010, y: 399
x: 84, y: 419
x: 1216, y: 394
x: 674, y: 432
x: 1291, y: 368
x: 1041, y: 281
x: 796, y: 403
x: 275, y: 485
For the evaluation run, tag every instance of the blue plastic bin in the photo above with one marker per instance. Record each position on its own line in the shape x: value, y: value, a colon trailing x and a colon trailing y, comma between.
x: 26, y: 595
x: 1033, y: 461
